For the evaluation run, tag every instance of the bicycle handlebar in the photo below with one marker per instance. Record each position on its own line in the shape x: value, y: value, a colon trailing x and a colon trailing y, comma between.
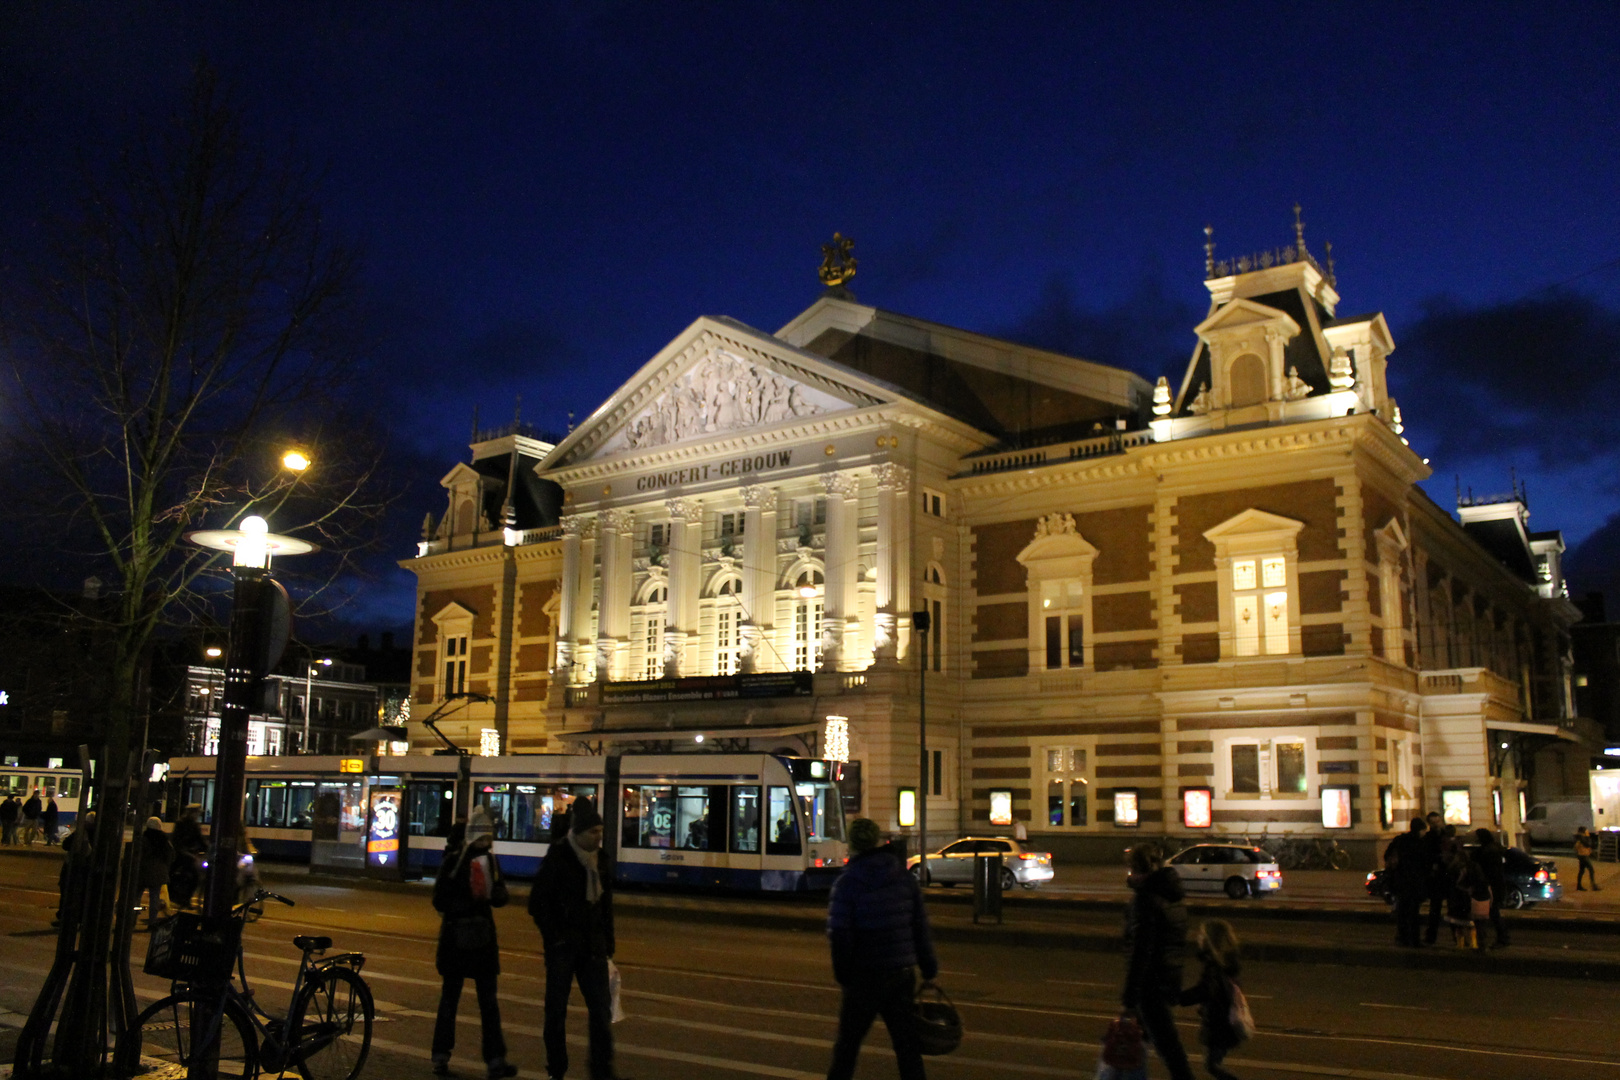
x: 266, y: 894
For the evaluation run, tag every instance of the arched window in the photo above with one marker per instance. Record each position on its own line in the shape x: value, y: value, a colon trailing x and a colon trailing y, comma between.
x: 934, y: 603
x: 809, y: 595
x: 654, y: 599
x: 1247, y: 377
x: 727, y: 625
x: 464, y: 517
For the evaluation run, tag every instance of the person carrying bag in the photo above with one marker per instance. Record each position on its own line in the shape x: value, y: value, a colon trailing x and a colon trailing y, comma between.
x: 468, y: 889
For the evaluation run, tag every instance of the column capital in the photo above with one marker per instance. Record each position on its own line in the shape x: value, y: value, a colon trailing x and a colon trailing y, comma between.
x: 573, y: 525
x: 893, y: 475
x: 757, y: 496
x: 843, y: 484
x: 619, y: 521
x: 682, y: 509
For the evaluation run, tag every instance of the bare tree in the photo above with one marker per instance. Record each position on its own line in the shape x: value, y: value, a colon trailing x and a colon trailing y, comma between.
x: 193, y: 321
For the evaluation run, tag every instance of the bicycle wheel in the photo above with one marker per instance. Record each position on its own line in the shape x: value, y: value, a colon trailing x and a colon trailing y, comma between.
x: 329, y: 1026
x: 164, y: 1038
x: 1340, y: 859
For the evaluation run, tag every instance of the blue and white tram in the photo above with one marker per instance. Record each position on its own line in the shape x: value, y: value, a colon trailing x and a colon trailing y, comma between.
x: 736, y: 821
x: 63, y: 785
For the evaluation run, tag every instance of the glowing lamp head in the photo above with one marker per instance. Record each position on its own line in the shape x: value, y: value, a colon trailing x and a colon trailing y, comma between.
x: 254, y: 547
x: 295, y: 460
x: 807, y: 591
x: 213, y: 652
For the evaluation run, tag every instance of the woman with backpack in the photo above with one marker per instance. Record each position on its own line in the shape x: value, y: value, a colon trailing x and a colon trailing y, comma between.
x: 1223, y: 1010
x: 468, y: 889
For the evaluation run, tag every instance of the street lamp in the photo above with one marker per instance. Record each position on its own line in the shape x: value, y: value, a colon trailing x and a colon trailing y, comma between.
x: 921, y: 622
x: 295, y: 460
x: 309, y: 691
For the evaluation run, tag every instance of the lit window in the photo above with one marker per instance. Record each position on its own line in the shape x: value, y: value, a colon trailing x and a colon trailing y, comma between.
x: 1260, y: 606
x: 1266, y: 768
x: 733, y: 524
x: 652, y: 642
x: 1063, y: 616
x: 809, y: 596
x: 1068, y: 786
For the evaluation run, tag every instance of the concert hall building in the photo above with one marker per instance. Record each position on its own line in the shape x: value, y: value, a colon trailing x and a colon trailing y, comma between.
x: 1215, y: 605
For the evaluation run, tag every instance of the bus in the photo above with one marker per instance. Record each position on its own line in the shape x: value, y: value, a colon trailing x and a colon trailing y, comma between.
x: 752, y: 822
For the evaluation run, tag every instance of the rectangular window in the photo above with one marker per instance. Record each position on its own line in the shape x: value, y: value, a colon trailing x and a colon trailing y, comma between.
x: 1259, y: 610
x: 726, y: 633
x: 939, y: 772
x: 783, y: 819
x: 455, y: 665
x: 658, y: 536
x: 1068, y: 786
x: 807, y: 635
x: 649, y: 816
x: 1246, y: 625
x: 745, y: 820
x: 1054, y: 642
x: 933, y: 503
x: 694, y: 823
x: 733, y: 524
x: 1077, y: 641
x: 937, y: 634
x: 429, y: 807
x: 808, y: 512
x: 1246, y: 769
x: 653, y: 646
x: 1290, y: 757
x: 1061, y: 604
x: 1276, y: 609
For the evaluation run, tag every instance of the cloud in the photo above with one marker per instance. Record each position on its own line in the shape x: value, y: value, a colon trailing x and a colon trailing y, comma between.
x: 1539, y: 376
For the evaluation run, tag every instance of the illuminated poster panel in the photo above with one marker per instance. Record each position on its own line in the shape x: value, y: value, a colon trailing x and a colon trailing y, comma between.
x: 1125, y: 809
x: 1335, y: 808
x: 383, y: 840
x: 1197, y: 807
x: 1454, y: 806
x: 1386, y: 807
x: 1001, y: 807
x: 908, y: 807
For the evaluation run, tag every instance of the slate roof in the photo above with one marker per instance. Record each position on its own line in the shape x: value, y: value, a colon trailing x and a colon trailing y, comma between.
x: 537, y: 503
x: 1301, y: 353
x: 1505, y: 541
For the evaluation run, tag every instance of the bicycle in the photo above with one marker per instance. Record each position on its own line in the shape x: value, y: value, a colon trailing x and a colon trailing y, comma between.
x: 326, y: 1034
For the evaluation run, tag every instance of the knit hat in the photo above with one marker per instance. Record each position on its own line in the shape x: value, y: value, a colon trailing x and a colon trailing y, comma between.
x: 155, y: 823
x: 864, y: 834
x: 583, y: 816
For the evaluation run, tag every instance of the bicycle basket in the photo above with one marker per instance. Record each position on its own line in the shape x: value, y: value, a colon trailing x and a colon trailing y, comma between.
x: 190, y: 948
x: 937, y: 1024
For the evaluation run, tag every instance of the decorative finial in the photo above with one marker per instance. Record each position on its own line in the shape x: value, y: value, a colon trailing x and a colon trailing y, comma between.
x: 1161, y: 397
x: 1209, y: 251
x: 837, y: 264
x: 1299, y: 232
x: 1331, y: 279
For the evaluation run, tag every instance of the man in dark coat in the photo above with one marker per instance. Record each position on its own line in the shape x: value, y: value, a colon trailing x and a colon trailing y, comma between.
x: 30, y: 812
x: 1156, y: 945
x: 1439, y: 887
x: 1490, y: 859
x: 52, y: 819
x: 880, y: 937
x: 572, y: 904
x: 10, y: 810
x: 466, y: 892
x: 1407, y: 871
x: 189, y: 849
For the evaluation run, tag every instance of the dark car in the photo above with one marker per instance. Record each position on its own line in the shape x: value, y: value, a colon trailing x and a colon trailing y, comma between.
x: 1529, y: 880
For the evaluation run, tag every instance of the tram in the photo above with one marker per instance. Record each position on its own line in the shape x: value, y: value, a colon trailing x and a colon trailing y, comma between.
x: 63, y: 785
x: 757, y: 822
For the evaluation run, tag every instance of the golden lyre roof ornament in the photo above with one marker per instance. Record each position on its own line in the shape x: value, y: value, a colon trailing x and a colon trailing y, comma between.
x: 837, y: 264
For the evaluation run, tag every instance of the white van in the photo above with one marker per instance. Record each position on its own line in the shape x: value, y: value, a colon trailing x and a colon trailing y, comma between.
x: 1555, y: 822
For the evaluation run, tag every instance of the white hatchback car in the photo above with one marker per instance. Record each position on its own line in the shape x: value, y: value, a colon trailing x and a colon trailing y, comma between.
x: 953, y: 863
x: 1238, y: 870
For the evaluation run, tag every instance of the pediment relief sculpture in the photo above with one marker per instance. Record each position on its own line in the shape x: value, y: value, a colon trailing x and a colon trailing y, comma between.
x: 720, y: 393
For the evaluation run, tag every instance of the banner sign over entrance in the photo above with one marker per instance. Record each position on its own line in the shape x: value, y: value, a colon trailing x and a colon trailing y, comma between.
x: 710, y: 688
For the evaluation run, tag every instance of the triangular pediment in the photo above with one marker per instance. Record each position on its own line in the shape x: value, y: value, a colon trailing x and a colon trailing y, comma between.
x: 1056, y: 538
x: 719, y: 378
x: 461, y: 474
x: 1240, y: 313
x: 1253, y: 523
x: 452, y: 612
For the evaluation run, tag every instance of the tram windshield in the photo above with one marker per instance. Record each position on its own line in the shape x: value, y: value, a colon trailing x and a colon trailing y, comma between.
x: 823, y: 810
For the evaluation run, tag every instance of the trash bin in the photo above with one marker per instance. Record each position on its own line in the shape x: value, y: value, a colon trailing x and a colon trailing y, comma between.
x: 987, y: 886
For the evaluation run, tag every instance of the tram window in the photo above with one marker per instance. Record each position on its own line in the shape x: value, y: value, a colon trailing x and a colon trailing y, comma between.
x: 783, y: 838
x: 68, y: 787
x: 496, y: 801
x: 745, y: 820
x: 429, y: 806
x: 201, y: 793
x: 337, y: 810
x: 696, y: 813
x: 649, y: 816
x: 822, y: 810
x: 300, y: 799
x: 266, y: 804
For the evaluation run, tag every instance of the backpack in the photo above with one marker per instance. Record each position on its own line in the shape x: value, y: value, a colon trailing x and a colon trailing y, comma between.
x: 1240, y: 1018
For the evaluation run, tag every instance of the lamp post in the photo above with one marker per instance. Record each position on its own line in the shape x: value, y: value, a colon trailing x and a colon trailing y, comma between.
x: 921, y: 623
x: 309, y: 695
x: 261, y: 622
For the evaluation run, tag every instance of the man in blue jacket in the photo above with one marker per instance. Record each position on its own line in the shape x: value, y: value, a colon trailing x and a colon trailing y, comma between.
x: 879, y: 934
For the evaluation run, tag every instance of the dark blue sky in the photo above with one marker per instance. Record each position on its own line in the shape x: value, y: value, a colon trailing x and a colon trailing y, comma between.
x: 547, y: 194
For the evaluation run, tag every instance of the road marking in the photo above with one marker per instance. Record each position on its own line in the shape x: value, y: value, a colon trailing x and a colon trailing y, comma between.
x: 1381, y: 1005
x: 1082, y: 982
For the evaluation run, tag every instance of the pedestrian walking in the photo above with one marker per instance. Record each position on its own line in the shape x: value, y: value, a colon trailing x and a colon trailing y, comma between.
x: 880, y: 939
x: 1583, y: 856
x: 1215, y: 992
x: 157, y: 856
x: 10, y: 811
x: 1408, y: 876
x: 468, y: 889
x: 51, y: 819
x: 30, y: 812
x: 1437, y: 889
x: 1156, y: 947
x: 190, y: 848
x: 75, y: 863
x: 1490, y: 858
x: 572, y: 905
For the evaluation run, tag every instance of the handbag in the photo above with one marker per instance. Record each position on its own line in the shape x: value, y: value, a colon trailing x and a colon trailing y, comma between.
x: 617, y: 1009
x: 936, y: 1022
x: 1241, y: 1019
x: 1480, y: 906
x: 472, y: 933
x: 1122, y: 1047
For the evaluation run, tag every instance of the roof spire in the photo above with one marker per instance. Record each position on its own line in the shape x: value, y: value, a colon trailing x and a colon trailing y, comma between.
x: 1299, y: 232
x: 837, y: 266
x: 1209, y: 252
x: 508, y: 510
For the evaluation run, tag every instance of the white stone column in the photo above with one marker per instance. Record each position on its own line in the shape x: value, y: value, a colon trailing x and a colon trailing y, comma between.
x: 566, y: 608
x: 613, y: 614
x: 758, y: 577
x: 685, y: 566
x: 891, y: 495
x: 841, y: 554
x: 906, y: 511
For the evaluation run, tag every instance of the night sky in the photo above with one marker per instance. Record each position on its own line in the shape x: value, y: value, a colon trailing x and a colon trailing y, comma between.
x: 547, y: 194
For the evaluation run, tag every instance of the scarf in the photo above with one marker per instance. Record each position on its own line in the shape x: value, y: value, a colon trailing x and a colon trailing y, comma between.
x: 593, y: 876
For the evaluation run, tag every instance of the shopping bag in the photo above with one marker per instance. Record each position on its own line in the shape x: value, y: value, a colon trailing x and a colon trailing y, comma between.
x: 937, y: 1025
x: 613, y: 992
x: 1122, y: 1048
x: 1480, y: 906
x: 1241, y: 1019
